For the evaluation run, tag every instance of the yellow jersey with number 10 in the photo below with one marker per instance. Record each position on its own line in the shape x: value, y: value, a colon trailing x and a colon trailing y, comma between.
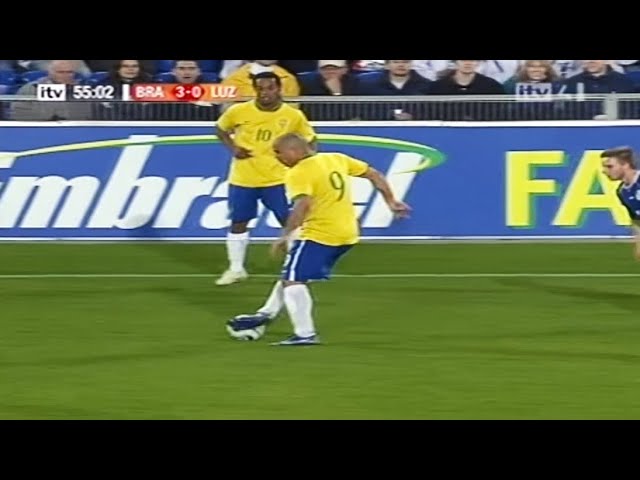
x: 256, y: 130
x: 324, y: 177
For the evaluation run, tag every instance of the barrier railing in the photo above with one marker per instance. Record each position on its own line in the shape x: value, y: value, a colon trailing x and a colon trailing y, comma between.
x: 344, y: 108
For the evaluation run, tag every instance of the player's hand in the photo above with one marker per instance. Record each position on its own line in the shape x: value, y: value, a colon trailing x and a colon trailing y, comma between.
x: 279, y: 247
x: 400, y: 209
x: 241, y: 153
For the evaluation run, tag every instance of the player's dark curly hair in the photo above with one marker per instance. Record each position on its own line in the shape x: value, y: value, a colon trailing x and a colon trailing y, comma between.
x: 622, y: 154
x: 269, y: 75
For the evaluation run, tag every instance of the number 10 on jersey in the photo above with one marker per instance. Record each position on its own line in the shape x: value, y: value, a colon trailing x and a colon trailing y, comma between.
x: 263, y: 135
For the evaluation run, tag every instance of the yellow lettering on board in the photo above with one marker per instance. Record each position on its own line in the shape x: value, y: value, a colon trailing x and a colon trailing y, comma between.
x: 521, y: 186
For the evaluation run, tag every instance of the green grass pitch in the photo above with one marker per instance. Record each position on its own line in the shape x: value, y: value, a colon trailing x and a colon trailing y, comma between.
x: 481, y: 346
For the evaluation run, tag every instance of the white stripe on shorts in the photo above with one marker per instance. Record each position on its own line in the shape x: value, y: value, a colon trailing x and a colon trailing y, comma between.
x: 294, y: 262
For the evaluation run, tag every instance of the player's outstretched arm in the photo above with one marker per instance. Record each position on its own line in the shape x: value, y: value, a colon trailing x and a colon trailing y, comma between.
x: 300, y: 210
x: 401, y: 209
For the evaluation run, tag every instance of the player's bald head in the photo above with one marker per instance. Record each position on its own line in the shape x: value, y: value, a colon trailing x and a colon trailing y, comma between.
x: 291, y: 140
x: 290, y: 148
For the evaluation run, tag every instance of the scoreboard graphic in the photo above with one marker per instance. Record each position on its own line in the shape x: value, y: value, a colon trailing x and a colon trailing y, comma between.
x: 152, y: 92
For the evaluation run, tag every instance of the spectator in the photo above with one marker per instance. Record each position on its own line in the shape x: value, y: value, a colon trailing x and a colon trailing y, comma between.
x: 597, y: 77
x: 43, y: 65
x: 499, y: 70
x: 464, y: 80
x: 332, y: 77
x: 398, y: 79
x: 185, y: 72
x: 147, y: 66
x: 533, y: 72
x: 126, y: 72
x: 60, y: 72
x: 534, y: 85
x: 242, y: 78
x: 569, y: 68
x: 123, y: 72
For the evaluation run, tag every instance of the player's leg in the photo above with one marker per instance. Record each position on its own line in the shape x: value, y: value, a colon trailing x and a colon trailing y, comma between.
x: 273, y: 306
x: 275, y: 302
x: 243, y: 207
x: 275, y: 199
x: 307, y: 261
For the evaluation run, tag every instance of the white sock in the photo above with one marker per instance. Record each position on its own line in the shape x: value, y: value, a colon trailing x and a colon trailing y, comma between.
x: 275, y: 302
x: 237, y: 249
x: 299, y: 305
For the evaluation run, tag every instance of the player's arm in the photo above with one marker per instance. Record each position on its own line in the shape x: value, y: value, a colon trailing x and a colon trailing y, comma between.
x: 300, y: 210
x: 224, y: 130
x: 299, y: 190
x: 358, y: 168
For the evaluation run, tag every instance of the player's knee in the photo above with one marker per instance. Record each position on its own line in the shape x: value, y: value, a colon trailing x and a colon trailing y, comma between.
x: 239, y: 227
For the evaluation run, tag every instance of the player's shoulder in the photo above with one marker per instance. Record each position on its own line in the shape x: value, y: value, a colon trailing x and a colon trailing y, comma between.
x: 307, y: 165
x: 292, y: 111
x: 240, y: 107
x: 297, y: 172
x: 335, y: 157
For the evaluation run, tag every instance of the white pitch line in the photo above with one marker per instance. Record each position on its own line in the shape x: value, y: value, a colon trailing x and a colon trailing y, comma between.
x: 364, y: 275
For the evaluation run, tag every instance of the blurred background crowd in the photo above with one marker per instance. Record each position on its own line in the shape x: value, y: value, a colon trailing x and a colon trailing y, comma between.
x: 549, y: 88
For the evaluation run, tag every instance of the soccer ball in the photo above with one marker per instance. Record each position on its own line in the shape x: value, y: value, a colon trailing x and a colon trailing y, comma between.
x: 246, y: 327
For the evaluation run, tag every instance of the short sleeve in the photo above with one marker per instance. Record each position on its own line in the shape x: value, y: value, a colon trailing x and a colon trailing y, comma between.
x: 356, y: 167
x: 226, y: 121
x: 297, y: 184
x: 304, y: 128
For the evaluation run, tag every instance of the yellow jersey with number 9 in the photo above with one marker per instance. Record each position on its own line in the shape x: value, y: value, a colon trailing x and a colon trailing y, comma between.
x: 325, y: 177
x: 256, y: 130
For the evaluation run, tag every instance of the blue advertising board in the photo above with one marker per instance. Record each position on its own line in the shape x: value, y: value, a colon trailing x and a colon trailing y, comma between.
x: 168, y: 181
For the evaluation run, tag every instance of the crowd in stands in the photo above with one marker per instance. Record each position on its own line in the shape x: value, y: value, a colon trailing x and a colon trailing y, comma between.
x: 544, y: 85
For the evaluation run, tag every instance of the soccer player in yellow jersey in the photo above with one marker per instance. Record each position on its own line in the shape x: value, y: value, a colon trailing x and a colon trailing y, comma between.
x: 249, y: 130
x: 319, y: 184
